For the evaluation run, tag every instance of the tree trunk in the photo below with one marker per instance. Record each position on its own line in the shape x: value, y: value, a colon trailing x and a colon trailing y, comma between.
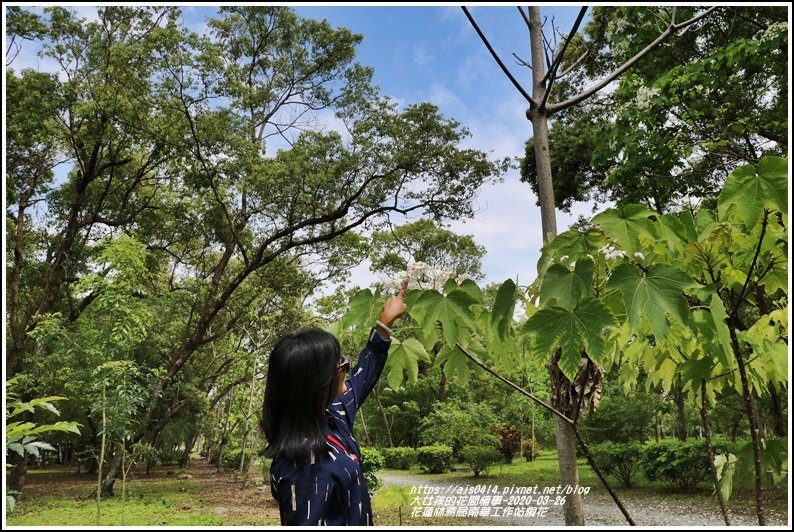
x: 18, y: 471
x: 248, y: 414
x: 190, y: 442
x: 566, y: 438
x: 680, y: 413
x: 755, y: 425
x: 114, y: 468
x: 779, y: 425
x: 386, y: 424
x: 704, y: 415
x: 569, y: 472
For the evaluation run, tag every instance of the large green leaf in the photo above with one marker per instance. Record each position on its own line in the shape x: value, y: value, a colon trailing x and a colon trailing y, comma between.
x: 452, y: 311
x: 750, y: 189
x: 471, y: 288
x: 572, y: 243
x: 723, y: 337
x: 404, y: 356
x: 565, y: 288
x: 454, y: 362
x: 627, y: 225
x: 503, y: 308
x: 650, y: 295
x: 726, y: 467
x: 582, y: 328
x: 673, y: 234
x: 359, y: 310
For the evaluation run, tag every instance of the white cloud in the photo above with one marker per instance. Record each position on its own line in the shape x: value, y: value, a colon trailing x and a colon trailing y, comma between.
x: 449, y: 102
x: 421, y: 57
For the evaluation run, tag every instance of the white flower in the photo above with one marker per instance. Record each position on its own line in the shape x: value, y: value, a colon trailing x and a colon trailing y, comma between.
x: 418, y: 268
x: 644, y: 96
x: 563, y: 258
x: 639, y: 256
x: 773, y: 30
x: 610, y: 253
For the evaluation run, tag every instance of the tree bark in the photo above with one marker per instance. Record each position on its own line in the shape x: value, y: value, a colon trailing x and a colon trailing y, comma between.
x: 704, y: 415
x: 569, y: 471
x: 566, y: 438
x: 680, y: 413
x: 190, y: 442
x: 114, y: 468
x: 755, y: 426
x: 779, y: 425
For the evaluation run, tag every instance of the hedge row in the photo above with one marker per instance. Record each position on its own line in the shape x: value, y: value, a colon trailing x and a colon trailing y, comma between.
x: 680, y: 464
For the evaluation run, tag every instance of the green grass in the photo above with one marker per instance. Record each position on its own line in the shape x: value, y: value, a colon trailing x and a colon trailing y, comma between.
x: 391, y: 506
x: 159, y: 502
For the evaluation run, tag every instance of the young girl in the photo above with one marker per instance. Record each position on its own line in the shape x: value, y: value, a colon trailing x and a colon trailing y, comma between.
x: 308, y: 416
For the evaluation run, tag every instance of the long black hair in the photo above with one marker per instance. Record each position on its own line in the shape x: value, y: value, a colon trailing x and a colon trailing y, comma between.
x: 302, y: 380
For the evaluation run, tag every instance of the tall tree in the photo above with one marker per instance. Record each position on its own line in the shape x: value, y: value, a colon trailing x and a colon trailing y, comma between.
x: 545, y: 65
x: 393, y: 250
x: 172, y: 138
x: 677, y: 123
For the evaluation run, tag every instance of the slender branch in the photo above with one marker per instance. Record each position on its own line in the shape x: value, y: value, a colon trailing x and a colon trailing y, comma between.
x: 601, y: 477
x: 558, y: 60
x: 573, y: 65
x: 522, y: 62
x: 572, y: 423
x: 525, y: 17
x: 517, y: 85
x: 744, y: 290
x: 553, y: 108
x: 516, y: 387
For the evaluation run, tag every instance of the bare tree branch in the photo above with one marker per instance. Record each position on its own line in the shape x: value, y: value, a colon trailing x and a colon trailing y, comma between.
x: 552, y: 72
x: 522, y: 62
x: 553, y: 108
x: 573, y: 66
x: 524, y: 16
x: 517, y: 85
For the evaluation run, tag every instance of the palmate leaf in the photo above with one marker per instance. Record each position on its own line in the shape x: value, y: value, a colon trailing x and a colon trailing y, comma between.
x: 650, y: 295
x: 565, y: 288
x: 359, y: 311
x: 582, y: 328
x: 750, y: 189
x: 726, y: 467
x: 404, y: 356
x: 503, y: 308
x: 455, y: 363
x: 452, y: 311
x: 571, y: 243
x: 627, y: 225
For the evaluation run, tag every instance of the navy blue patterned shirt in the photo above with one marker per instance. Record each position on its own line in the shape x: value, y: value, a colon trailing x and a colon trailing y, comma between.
x: 330, y: 489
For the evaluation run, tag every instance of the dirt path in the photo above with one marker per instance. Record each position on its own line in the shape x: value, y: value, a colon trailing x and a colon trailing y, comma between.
x: 600, y: 510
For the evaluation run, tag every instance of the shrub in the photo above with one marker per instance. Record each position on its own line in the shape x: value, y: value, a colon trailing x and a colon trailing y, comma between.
x: 620, y: 460
x: 509, y: 441
x: 231, y: 458
x: 531, y: 451
x: 480, y: 457
x: 371, y: 461
x: 169, y: 456
x: 457, y: 424
x: 681, y: 464
x: 434, y: 458
x: 622, y: 419
x: 399, y: 457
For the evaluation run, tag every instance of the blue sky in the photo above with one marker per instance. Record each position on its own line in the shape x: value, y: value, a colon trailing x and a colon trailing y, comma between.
x: 431, y: 53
